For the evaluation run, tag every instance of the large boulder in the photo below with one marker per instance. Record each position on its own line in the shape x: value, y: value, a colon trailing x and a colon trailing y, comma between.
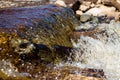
x: 49, y: 25
x: 28, y: 37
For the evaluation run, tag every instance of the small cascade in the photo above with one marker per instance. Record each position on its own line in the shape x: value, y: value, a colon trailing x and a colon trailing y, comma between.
x: 43, y: 43
x: 99, y: 51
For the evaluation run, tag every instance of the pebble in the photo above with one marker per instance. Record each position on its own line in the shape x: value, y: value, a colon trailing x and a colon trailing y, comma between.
x: 94, y: 19
x: 94, y: 11
x: 60, y: 3
x: 101, y: 10
x: 85, y: 17
x: 84, y: 7
x: 79, y: 12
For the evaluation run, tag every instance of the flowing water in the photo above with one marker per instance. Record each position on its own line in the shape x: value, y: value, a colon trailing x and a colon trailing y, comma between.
x: 101, y: 53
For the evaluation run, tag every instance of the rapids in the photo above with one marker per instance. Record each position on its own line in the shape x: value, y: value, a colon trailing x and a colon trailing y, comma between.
x: 101, y: 53
x: 98, y: 52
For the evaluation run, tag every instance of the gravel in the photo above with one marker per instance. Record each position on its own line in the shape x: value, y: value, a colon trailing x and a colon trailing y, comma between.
x: 22, y: 3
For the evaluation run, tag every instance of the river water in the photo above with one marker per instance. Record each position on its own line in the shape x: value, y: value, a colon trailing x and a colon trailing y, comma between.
x: 101, y: 53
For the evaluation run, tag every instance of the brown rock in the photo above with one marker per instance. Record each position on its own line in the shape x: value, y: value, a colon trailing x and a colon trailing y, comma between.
x: 93, y: 1
x: 70, y: 1
x: 90, y: 33
x: 73, y: 73
x: 115, y: 3
x: 79, y: 77
x: 22, y: 21
x: 34, y: 31
x: 107, y: 2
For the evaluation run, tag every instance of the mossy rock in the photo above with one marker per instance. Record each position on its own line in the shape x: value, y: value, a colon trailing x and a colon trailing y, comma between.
x: 29, y: 34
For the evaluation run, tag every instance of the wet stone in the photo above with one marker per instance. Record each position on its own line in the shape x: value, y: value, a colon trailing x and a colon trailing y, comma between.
x: 23, y: 27
x: 28, y: 36
x: 85, y: 17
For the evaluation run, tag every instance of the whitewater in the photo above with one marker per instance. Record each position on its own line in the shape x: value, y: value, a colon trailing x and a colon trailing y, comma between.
x: 101, y: 53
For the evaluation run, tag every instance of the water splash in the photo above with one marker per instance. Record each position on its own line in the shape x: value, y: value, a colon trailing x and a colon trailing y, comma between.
x: 101, y: 53
x: 9, y: 69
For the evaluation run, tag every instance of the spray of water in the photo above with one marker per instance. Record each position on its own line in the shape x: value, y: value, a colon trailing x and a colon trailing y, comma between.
x: 101, y: 53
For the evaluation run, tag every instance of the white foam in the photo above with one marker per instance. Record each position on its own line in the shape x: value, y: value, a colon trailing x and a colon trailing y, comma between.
x: 102, y: 53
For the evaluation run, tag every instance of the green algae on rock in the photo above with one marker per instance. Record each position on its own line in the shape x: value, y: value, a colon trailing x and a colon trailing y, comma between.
x: 32, y: 33
x: 49, y: 25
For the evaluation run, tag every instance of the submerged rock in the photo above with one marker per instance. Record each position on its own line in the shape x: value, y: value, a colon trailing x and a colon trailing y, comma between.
x: 72, y: 73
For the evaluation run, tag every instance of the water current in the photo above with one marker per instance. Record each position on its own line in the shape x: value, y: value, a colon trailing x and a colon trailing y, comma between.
x: 101, y: 53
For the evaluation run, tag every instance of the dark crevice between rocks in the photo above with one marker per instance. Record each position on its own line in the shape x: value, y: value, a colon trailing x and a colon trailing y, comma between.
x: 45, y: 54
x: 76, y: 6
